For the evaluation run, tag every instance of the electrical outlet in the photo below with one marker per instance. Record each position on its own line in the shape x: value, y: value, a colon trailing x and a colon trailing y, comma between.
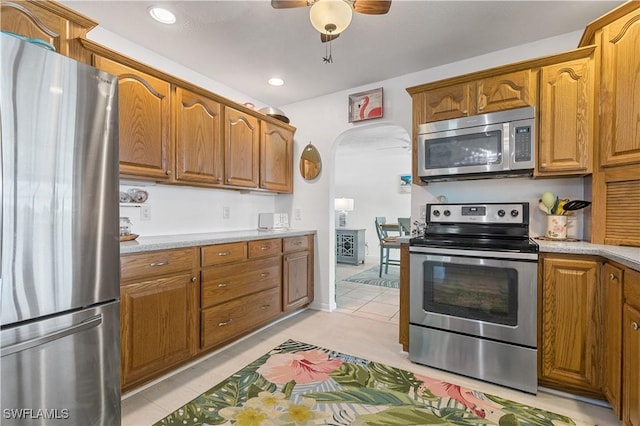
x: 297, y: 214
x: 423, y: 212
x: 145, y: 213
x: 226, y: 212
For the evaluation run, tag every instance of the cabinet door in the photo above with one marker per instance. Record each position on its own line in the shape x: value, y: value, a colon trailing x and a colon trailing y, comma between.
x: 448, y: 102
x: 512, y: 90
x: 569, y: 328
x: 242, y: 148
x: 631, y: 381
x: 565, y: 140
x: 297, y: 289
x: 143, y: 101
x: 49, y: 21
x: 199, y: 151
x: 612, y: 281
x: 159, y: 325
x: 276, y: 158
x: 620, y: 91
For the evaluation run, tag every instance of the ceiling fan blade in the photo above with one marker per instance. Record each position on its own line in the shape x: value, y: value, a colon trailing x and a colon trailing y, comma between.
x: 328, y: 37
x: 288, y: 4
x: 371, y: 7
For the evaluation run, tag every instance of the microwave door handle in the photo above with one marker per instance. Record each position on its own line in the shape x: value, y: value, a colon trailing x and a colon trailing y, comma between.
x: 506, y: 144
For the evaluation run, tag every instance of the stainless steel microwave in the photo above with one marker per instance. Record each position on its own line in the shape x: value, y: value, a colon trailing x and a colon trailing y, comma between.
x: 497, y: 144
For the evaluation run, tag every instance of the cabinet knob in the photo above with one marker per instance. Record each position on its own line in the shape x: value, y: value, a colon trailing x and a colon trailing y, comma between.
x: 543, y: 165
x: 168, y: 172
x: 612, y: 277
x: 264, y: 274
x: 194, y: 279
x: 634, y: 325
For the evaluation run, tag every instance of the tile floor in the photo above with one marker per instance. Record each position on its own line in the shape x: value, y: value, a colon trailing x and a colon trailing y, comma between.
x: 366, y: 332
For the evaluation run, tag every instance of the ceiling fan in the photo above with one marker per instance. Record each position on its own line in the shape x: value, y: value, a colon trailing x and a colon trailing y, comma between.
x: 331, y: 17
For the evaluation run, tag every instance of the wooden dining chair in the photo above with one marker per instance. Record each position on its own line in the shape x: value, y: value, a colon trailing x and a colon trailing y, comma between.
x: 387, y: 242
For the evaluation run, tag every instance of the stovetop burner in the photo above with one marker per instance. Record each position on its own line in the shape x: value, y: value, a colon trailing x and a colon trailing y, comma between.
x: 485, y: 226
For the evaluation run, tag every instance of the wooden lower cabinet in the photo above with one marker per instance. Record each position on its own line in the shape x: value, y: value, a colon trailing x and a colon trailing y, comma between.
x: 297, y: 271
x: 631, y: 349
x: 158, y: 314
x: 225, y: 322
x: 570, y: 325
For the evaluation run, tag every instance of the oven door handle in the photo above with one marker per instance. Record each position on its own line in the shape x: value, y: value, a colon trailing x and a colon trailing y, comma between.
x: 474, y: 253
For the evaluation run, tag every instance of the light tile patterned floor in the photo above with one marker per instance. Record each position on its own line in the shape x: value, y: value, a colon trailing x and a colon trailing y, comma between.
x: 365, y: 332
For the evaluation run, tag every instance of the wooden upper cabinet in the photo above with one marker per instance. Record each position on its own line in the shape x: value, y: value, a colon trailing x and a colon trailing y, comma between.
x: 566, y: 116
x: 242, y: 148
x: 276, y: 158
x: 448, y: 102
x: 506, y: 91
x: 48, y: 21
x: 199, y: 150
x: 620, y: 92
x: 145, y: 116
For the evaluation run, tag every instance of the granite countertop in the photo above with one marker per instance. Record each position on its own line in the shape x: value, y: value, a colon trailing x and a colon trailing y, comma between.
x: 627, y: 256
x: 164, y: 242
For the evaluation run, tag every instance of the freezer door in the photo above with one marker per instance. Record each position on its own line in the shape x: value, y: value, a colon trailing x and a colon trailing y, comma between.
x: 63, y: 371
x: 59, y: 151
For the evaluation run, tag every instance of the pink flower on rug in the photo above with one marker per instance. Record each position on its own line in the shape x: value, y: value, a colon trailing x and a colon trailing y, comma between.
x: 463, y: 395
x: 302, y: 367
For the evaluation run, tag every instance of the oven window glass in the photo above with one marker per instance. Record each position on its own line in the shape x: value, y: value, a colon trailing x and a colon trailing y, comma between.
x: 473, y: 292
x: 476, y: 149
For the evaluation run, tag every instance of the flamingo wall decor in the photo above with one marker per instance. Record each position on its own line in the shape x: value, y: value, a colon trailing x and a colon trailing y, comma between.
x: 365, y: 105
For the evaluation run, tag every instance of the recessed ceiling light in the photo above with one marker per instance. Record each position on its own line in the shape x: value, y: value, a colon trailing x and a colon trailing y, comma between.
x: 275, y: 81
x: 162, y: 15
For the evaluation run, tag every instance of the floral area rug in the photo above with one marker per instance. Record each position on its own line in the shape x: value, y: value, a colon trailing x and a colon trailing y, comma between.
x: 370, y: 276
x: 302, y: 384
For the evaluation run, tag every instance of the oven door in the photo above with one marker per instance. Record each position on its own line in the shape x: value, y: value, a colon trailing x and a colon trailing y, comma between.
x: 465, y: 151
x: 484, y: 294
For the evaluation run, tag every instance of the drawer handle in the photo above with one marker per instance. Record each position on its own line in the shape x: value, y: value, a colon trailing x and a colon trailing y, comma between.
x: 222, y: 285
x: 264, y: 248
x: 163, y: 263
x: 264, y: 274
x: 227, y: 322
x: 297, y: 243
x: 634, y: 325
x: 224, y: 253
x: 613, y: 277
x: 265, y: 307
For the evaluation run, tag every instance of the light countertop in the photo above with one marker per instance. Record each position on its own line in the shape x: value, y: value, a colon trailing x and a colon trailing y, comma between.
x: 164, y: 242
x: 627, y: 256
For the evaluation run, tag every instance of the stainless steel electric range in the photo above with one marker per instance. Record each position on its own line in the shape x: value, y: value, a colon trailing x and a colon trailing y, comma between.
x: 473, y: 293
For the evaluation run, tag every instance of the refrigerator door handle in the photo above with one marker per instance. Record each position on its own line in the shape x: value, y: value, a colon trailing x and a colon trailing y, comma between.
x: 32, y: 343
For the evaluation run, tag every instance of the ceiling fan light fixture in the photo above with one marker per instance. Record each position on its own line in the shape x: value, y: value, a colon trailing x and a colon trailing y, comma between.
x: 330, y: 16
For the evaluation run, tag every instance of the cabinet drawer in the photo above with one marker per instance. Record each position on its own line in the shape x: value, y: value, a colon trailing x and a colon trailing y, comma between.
x: 223, y: 253
x: 261, y: 248
x: 157, y: 262
x: 226, y: 282
x: 632, y: 288
x: 228, y: 320
x: 295, y: 243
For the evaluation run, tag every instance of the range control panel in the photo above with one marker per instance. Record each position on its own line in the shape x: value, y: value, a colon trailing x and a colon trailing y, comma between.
x: 497, y: 213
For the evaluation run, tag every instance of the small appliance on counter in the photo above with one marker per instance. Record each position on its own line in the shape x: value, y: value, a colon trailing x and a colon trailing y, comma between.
x: 273, y: 221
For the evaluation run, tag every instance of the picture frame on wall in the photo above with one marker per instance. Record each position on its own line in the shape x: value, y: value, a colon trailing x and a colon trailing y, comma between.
x: 405, y: 184
x: 365, y: 105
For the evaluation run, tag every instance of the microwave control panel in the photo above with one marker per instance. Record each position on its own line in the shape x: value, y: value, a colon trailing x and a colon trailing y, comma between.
x: 523, y: 143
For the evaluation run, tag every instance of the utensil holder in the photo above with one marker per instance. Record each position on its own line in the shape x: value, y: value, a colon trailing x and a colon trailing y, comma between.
x: 556, y: 227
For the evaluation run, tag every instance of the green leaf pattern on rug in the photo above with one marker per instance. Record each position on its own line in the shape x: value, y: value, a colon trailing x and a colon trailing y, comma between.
x: 353, y: 391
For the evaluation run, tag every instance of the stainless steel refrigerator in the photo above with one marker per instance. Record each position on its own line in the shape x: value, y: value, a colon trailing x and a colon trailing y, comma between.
x: 60, y: 338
